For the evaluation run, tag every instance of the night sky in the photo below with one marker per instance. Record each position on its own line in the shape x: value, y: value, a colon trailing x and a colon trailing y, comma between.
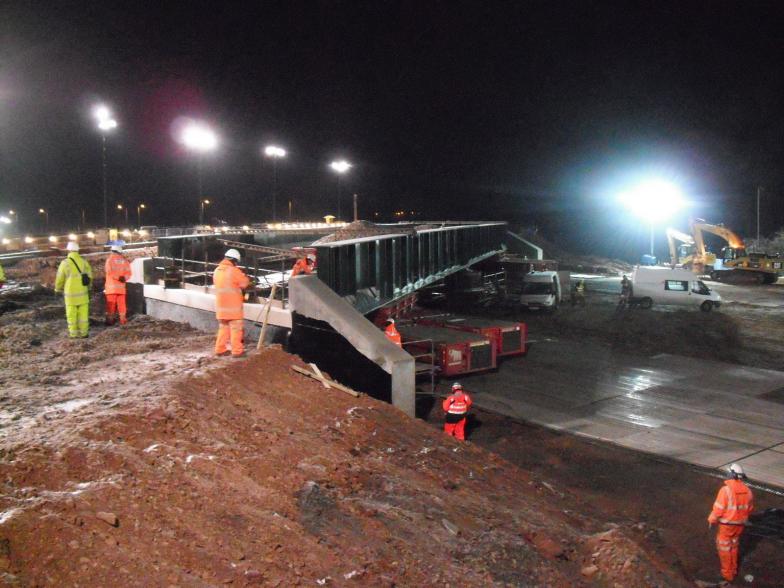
x: 538, y: 113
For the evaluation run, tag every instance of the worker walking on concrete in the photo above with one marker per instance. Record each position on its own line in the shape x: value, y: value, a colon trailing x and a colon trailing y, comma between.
x: 74, y: 276
x: 578, y: 296
x: 456, y: 407
x: 731, y: 510
x: 118, y: 272
x: 229, y: 281
x: 626, y: 292
x: 304, y: 265
x: 392, y: 333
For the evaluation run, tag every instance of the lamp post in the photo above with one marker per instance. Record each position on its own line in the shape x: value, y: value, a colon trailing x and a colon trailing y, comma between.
x: 340, y: 167
x: 125, y: 208
x: 139, y: 209
x: 204, y: 203
x: 46, y: 216
x: 200, y: 139
x: 275, y: 153
x: 653, y: 201
x: 106, y: 124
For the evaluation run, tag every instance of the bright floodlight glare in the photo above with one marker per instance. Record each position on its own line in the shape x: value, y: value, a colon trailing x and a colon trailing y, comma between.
x: 274, y: 151
x: 341, y: 166
x: 107, y: 124
x: 101, y: 112
x: 5, y: 220
x: 655, y: 200
x: 199, y: 137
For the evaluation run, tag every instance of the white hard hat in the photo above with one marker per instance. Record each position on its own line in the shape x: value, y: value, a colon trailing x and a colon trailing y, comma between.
x: 391, y: 321
x: 72, y: 246
x: 457, y: 386
x: 232, y: 254
x: 736, y: 471
x: 116, y: 247
x: 311, y: 257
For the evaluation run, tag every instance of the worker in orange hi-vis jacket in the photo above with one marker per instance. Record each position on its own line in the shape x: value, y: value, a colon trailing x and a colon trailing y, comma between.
x: 118, y: 272
x: 229, y: 281
x: 393, y: 334
x: 456, y: 407
x: 304, y: 265
x: 731, y: 510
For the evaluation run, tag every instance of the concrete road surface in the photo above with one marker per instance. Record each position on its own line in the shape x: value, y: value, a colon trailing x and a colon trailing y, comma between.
x: 698, y: 411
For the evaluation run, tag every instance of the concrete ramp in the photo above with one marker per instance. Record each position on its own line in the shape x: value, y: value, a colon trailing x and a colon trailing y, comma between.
x: 312, y: 298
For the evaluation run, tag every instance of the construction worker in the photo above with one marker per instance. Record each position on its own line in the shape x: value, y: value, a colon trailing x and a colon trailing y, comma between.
x: 74, y: 276
x: 578, y: 296
x: 393, y: 334
x: 456, y: 407
x: 303, y: 265
x: 731, y: 510
x: 626, y: 291
x: 229, y: 281
x: 2, y: 277
x: 118, y: 272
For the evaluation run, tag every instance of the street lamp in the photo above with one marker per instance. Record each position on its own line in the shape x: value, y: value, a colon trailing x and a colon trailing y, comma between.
x: 125, y: 208
x: 106, y: 124
x: 139, y: 209
x: 200, y: 139
x: 654, y: 200
x: 204, y: 203
x: 275, y: 153
x: 340, y: 167
x: 46, y: 215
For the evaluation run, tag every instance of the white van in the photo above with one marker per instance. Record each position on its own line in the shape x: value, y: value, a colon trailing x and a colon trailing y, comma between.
x: 541, y: 290
x: 662, y: 285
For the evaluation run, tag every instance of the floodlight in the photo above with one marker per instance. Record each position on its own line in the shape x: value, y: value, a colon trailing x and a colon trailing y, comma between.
x: 274, y: 151
x: 101, y: 112
x: 5, y: 220
x: 72, y: 237
x: 199, y: 137
x: 52, y: 239
x: 29, y: 240
x: 654, y: 200
x: 341, y: 166
x: 107, y: 124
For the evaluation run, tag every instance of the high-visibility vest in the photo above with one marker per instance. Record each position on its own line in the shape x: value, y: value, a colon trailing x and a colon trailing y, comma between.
x: 457, y: 403
x: 69, y: 279
x: 229, y: 280
x: 2, y: 274
x: 733, y: 504
x: 116, y: 266
x: 393, y: 335
x: 301, y: 267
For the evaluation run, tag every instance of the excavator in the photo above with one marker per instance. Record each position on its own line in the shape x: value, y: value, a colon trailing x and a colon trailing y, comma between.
x: 733, y: 261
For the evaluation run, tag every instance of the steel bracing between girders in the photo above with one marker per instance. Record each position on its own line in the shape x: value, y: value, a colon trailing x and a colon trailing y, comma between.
x: 276, y: 254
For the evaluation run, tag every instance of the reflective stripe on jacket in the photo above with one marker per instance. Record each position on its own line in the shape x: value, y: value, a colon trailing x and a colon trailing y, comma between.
x: 393, y: 335
x: 733, y: 504
x: 229, y: 280
x: 457, y: 403
x: 69, y: 280
x: 116, y: 266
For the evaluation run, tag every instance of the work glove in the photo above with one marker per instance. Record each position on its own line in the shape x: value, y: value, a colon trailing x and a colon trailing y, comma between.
x: 122, y: 279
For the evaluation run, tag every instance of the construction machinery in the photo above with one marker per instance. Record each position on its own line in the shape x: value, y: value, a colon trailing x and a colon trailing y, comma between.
x: 733, y: 260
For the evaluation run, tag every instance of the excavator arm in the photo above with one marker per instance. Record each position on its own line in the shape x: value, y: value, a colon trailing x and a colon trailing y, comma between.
x: 732, y: 239
x: 674, y: 235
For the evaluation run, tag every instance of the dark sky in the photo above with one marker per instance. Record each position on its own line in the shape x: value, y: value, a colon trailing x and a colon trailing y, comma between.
x: 538, y: 113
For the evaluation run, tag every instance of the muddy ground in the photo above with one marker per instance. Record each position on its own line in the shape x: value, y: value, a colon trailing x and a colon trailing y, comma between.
x: 136, y: 458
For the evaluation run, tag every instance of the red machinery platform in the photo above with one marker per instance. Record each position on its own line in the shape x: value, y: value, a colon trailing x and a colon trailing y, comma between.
x: 456, y: 352
x: 510, y: 337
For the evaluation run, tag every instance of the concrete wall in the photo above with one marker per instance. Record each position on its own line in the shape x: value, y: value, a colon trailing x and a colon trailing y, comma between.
x: 310, y: 297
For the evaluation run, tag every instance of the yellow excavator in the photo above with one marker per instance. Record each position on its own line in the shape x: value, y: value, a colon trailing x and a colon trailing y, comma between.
x: 733, y: 260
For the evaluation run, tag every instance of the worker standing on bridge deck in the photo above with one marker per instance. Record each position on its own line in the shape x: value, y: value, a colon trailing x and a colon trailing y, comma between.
x: 392, y: 333
x: 304, y: 265
x: 731, y: 510
x: 229, y: 281
x: 2, y: 276
x: 118, y: 272
x: 456, y: 407
x: 74, y: 276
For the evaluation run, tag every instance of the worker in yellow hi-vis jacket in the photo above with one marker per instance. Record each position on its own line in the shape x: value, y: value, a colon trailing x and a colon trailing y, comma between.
x: 74, y: 276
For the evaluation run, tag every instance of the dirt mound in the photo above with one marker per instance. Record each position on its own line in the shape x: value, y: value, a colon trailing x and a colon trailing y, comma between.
x: 43, y: 270
x: 245, y: 473
x: 359, y: 229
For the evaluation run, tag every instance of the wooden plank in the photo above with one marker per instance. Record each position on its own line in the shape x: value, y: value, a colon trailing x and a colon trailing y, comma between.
x: 266, y: 316
x: 332, y: 383
x: 318, y: 373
